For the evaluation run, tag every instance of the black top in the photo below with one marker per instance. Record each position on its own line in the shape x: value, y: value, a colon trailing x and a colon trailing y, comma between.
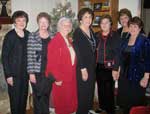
x: 91, y: 40
x: 44, y: 54
x: 84, y: 48
x: 24, y: 52
x: 100, y: 58
x: 123, y: 35
x: 14, y: 54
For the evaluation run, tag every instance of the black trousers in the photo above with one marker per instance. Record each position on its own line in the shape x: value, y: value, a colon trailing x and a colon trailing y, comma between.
x: 40, y: 98
x: 18, y: 95
x: 105, y: 86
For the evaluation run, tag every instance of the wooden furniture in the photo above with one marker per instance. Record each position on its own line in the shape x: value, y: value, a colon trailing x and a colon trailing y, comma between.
x: 5, y: 20
x: 101, y: 7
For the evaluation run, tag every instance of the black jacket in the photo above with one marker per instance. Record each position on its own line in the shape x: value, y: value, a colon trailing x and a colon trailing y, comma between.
x: 111, y: 48
x: 14, y: 57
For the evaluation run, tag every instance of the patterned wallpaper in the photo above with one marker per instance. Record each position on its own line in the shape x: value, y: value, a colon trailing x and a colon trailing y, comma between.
x: 4, y: 29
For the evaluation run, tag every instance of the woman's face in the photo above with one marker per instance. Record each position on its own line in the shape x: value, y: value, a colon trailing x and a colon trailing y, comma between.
x: 86, y: 20
x: 43, y: 23
x: 105, y: 25
x: 66, y: 28
x: 134, y: 29
x: 124, y: 19
x: 20, y: 23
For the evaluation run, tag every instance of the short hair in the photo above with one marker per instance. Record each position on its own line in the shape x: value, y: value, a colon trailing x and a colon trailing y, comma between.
x: 137, y: 21
x: 83, y: 11
x: 62, y: 20
x: 124, y: 11
x: 106, y: 16
x: 18, y: 14
x: 44, y: 15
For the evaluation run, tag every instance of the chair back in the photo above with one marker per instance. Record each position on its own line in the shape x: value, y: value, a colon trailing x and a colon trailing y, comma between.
x: 140, y: 110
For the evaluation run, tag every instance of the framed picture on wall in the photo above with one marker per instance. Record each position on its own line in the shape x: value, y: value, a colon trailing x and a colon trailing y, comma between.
x: 97, y: 6
x: 105, y: 6
x: 96, y: 20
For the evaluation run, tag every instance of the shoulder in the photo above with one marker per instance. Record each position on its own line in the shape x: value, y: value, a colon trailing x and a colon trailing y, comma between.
x: 55, y: 41
x: 11, y: 35
x: 119, y: 30
x: 34, y: 35
x: 142, y: 37
x: 77, y: 32
x: 98, y: 34
x: 115, y: 35
x: 26, y: 32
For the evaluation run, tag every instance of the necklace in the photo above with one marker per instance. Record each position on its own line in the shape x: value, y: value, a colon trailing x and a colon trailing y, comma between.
x: 91, y: 40
x: 124, y: 35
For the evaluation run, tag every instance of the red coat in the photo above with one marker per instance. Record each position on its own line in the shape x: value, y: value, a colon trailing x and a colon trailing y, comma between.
x: 59, y: 64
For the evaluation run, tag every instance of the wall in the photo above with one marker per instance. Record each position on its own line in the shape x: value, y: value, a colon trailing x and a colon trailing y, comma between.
x: 146, y: 18
x: 132, y: 5
x: 33, y: 7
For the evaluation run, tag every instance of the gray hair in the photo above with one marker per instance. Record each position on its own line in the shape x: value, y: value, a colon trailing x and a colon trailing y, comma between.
x: 61, y: 21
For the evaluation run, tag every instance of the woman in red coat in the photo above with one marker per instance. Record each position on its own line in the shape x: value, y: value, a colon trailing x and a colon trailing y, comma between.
x: 61, y: 64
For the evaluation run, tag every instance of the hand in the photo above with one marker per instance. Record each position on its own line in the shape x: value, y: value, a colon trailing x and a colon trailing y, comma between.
x: 84, y: 74
x: 144, y: 80
x: 32, y: 78
x: 58, y: 83
x: 115, y: 75
x: 10, y: 81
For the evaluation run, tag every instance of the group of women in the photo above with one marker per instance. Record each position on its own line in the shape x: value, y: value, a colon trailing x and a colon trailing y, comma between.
x: 68, y: 69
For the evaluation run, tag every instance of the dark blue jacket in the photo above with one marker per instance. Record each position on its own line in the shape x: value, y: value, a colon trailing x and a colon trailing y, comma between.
x: 139, y: 60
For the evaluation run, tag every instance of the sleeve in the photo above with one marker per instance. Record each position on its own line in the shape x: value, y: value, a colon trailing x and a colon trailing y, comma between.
x: 7, y: 49
x: 77, y: 43
x: 116, y: 51
x: 147, y: 55
x: 30, y: 54
x: 52, y: 67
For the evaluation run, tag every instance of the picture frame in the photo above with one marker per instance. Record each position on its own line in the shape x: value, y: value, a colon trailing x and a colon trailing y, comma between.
x: 97, y: 6
x: 96, y: 20
x: 105, y: 6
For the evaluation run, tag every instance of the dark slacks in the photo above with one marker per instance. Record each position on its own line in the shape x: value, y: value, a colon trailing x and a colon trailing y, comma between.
x: 105, y: 86
x: 40, y: 96
x: 18, y: 95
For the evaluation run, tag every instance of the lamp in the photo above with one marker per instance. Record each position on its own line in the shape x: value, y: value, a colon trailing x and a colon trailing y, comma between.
x: 4, y: 11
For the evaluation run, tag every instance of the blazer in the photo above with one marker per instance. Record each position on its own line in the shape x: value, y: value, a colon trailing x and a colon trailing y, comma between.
x: 139, y: 58
x: 111, y: 47
x: 12, y: 52
x: 34, y: 52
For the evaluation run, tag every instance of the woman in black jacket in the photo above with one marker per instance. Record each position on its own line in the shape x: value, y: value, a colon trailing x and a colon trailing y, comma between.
x: 107, y: 63
x: 14, y: 62
x: 85, y: 46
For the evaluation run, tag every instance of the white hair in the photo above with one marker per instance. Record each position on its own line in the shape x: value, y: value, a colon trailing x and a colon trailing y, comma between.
x: 61, y: 21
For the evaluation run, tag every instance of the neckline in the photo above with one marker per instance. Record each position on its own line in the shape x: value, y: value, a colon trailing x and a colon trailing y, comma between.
x: 19, y: 35
x: 91, y: 40
x: 126, y: 36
